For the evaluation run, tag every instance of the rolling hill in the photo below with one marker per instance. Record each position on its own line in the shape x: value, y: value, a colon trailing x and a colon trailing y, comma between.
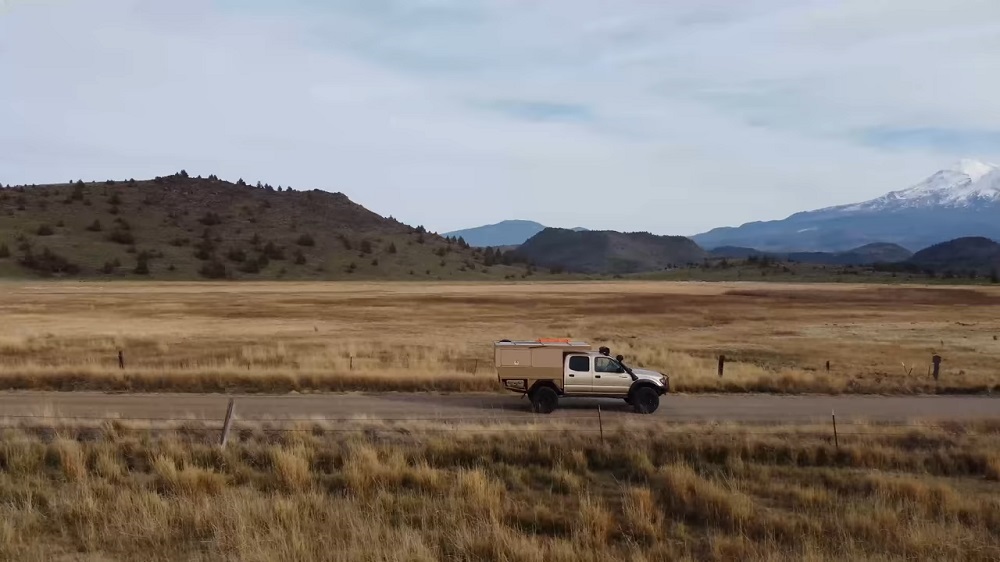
x: 502, y: 234
x: 864, y: 255
x: 608, y: 251
x: 963, y: 201
x: 962, y: 256
x: 180, y: 227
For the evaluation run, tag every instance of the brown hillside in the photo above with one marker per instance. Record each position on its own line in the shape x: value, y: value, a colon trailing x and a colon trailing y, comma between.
x: 179, y: 227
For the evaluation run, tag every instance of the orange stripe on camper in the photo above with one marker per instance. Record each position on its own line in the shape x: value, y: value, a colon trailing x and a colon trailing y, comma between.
x: 553, y: 340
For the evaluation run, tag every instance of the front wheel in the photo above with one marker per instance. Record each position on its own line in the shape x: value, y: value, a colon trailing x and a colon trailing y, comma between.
x: 645, y: 400
x: 544, y: 400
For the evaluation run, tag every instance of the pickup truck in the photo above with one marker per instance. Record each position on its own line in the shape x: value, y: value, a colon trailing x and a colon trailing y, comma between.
x: 547, y: 370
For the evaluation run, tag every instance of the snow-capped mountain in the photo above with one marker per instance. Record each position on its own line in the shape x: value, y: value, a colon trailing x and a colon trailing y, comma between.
x: 968, y: 183
x: 963, y: 200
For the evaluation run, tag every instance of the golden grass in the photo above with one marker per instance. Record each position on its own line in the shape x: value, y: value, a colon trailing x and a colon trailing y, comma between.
x: 281, y: 337
x: 749, y: 493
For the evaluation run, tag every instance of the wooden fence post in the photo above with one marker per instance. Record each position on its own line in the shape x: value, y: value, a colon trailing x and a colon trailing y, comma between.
x: 229, y: 422
x: 121, y: 359
x: 937, y: 366
x: 722, y: 365
x: 600, y: 423
x: 827, y: 366
x: 836, y: 440
x: 352, y: 362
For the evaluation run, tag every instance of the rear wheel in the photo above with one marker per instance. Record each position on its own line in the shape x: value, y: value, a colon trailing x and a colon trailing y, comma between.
x: 544, y: 400
x: 645, y: 400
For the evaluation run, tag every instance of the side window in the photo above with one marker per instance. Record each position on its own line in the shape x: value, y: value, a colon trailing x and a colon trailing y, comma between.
x: 579, y: 364
x: 606, y: 365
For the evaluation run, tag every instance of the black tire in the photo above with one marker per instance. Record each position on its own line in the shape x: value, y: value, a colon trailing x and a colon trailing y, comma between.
x: 544, y: 400
x: 628, y: 400
x: 645, y: 400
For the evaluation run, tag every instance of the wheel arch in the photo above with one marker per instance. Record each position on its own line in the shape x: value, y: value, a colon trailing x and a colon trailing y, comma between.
x: 545, y: 382
x: 660, y: 391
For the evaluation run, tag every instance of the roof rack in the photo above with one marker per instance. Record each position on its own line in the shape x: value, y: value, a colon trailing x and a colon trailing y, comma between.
x: 543, y: 342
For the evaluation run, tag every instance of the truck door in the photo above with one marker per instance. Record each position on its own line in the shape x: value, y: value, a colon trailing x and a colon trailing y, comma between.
x: 579, y: 378
x: 610, y: 377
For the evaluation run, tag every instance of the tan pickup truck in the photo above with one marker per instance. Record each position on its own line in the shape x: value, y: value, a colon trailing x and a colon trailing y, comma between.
x: 549, y: 369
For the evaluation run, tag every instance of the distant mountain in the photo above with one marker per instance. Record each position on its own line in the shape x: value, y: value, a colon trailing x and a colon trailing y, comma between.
x: 963, y: 201
x: 960, y: 256
x: 608, y: 251
x: 864, y: 255
x: 505, y: 233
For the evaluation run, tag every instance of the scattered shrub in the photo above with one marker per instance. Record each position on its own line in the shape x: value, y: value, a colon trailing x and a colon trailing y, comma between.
x: 95, y: 226
x: 300, y: 258
x: 4, y: 251
x: 213, y: 269
x: 205, y: 248
x: 210, y: 219
x: 250, y: 266
x: 273, y: 251
x: 45, y: 230
x: 121, y: 236
x: 142, y: 264
x: 305, y: 240
x: 237, y: 255
x: 48, y: 263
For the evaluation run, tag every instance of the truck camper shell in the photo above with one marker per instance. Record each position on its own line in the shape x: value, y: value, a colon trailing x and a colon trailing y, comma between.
x: 548, y: 369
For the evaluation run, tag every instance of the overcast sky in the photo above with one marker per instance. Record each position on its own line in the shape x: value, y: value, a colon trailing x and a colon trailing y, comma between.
x: 671, y: 117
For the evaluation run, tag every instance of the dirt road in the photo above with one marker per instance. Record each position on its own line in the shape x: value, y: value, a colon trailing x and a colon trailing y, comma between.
x: 749, y: 408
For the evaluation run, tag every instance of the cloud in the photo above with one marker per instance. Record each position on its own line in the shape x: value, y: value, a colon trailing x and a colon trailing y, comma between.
x: 959, y: 141
x: 540, y: 110
x: 676, y: 117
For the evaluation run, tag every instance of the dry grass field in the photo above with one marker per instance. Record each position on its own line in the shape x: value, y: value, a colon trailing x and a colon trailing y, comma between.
x: 264, y: 337
x: 463, y: 493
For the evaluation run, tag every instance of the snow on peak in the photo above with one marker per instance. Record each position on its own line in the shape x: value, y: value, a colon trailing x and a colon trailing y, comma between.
x: 975, y: 169
x: 965, y: 184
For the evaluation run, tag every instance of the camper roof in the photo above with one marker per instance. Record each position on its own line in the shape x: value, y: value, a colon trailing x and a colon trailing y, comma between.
x: 543, y: 342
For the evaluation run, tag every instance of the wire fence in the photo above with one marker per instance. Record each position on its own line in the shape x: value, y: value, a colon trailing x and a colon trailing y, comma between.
x: 580, y: 422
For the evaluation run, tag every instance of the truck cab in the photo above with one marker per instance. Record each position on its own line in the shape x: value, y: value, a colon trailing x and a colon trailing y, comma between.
x: 595, y: 374
x: 547, y: 370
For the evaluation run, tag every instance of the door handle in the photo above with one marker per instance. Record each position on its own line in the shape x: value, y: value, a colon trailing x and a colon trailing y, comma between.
x: 597, y: 376
x: 572, y: 375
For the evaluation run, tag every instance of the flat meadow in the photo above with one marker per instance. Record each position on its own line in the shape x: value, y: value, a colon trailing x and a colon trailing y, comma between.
x: 410, y: 336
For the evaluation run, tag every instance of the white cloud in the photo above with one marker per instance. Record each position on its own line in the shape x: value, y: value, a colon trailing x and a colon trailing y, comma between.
x: 685, y: 115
